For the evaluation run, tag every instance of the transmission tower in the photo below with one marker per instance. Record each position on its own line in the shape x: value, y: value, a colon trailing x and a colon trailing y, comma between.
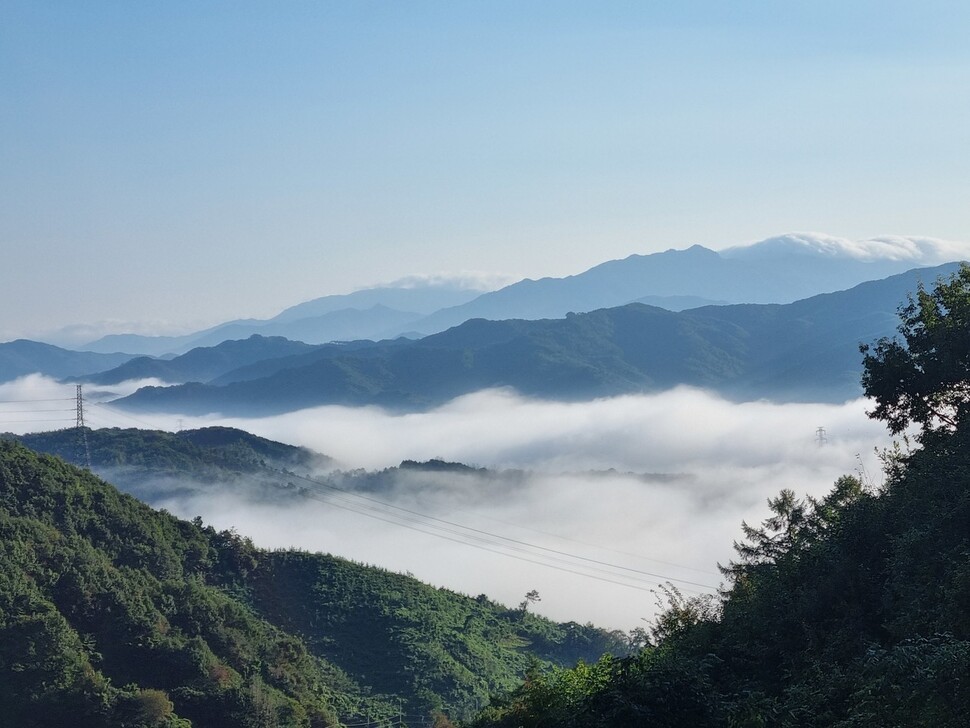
x: 82, y: 454
x: 820, y: 437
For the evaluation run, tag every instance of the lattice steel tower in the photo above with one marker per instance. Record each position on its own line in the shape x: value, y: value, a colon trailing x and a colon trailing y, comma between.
x: 82, y: 455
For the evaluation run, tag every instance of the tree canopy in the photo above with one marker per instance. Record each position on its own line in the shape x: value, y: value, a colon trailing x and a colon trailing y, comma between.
x: 925, y: 378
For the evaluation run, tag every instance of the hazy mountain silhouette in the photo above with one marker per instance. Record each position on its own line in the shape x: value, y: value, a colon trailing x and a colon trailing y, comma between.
x: 371, y: 313
x: 21, y: 357
x: 777, y: 270
x: 807, y: 350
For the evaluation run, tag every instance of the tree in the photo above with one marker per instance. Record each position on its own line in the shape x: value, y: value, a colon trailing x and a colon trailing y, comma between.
x: 531, y: 598
x: 925, y: 378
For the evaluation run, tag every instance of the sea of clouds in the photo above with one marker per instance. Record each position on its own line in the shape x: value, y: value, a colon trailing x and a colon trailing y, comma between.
x: 655, y: 486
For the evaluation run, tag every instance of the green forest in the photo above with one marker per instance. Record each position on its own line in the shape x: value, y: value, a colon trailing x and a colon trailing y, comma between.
x: 114, y: 614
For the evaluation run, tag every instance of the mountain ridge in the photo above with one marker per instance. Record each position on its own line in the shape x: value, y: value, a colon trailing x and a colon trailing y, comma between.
x: 804, y: 350
x: 21, y: 357
x: 775, y: 270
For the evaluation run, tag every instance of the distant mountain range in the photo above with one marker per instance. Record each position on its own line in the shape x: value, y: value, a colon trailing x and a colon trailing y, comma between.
x: 777, y: 270
x: 372, y: 313
x: 807, y: 350
x: 201, y: 364
x: 21, y: 357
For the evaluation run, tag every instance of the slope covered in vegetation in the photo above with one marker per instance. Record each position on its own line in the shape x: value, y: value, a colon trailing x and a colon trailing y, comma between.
x: 207, y: 451
x: 114, y: 614
x: 152, y: 464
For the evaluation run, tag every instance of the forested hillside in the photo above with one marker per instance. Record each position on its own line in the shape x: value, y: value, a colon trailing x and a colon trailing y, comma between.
x: 201, y: 363
x: 852, y: 610
x: 212, y: 451
x: 114, y: 614
x: 152, y: 463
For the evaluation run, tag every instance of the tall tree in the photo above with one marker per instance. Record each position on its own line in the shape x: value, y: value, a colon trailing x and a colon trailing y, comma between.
x: 925, y: 378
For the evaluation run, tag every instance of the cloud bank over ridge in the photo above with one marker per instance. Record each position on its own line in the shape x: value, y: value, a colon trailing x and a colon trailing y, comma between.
x: 915, y: 249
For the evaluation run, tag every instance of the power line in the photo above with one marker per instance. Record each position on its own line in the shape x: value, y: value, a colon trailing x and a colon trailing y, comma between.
x: 595, y: 546
x: 466, y: 541
x: 512, y: 540
x: 5, y: 420
x: 469, y: 534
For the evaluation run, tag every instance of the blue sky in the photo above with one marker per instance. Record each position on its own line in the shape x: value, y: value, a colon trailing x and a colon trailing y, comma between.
x: 186, y: 163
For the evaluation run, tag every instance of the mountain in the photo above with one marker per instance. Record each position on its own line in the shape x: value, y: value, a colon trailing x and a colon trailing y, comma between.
x: 421, y: 299
x: 678, y: 303
x: 114, y: 614
x: 202, y: 363
x: 777, y: 270
x: 160, y: 346
x: 806, y: 350
x: 152, y: 464
x: 21, y: 357
x: 347, y: 323
x: 368, y: 313
x: 376, y: 322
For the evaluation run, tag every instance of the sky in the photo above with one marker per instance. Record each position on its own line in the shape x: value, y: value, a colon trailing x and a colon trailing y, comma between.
x: 172, y: 165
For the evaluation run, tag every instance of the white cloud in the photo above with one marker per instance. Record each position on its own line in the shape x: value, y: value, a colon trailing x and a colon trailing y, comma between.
x: 918, y: 250
x: 688, y: 468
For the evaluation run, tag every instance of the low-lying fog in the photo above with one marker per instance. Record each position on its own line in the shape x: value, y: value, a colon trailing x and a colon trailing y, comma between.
x: 655, y: 484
